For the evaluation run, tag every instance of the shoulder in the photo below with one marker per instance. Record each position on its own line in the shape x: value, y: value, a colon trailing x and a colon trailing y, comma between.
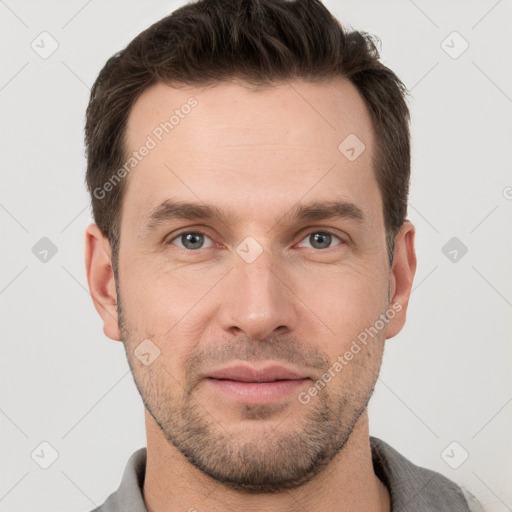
x: 473, y: 504
x: 128, y: 497
x: 414, y: 488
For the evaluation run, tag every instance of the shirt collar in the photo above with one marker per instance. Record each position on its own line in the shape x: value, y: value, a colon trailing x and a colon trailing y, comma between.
x: 411, y: 487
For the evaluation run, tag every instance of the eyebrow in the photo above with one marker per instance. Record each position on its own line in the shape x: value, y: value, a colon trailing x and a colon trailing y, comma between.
x: 170, y: 210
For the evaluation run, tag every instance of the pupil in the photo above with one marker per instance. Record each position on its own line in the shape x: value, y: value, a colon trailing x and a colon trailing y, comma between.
x: 317, y: 237
x: 191, y: 240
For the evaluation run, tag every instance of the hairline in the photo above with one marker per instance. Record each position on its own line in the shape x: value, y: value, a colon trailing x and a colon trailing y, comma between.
x: 252, y: 86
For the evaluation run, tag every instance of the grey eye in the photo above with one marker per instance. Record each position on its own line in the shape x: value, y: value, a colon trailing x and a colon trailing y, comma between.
x: 321, y: 239
x: 191, y: 240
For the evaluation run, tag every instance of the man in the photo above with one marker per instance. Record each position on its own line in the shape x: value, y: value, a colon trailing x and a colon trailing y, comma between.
x: 248, y: 163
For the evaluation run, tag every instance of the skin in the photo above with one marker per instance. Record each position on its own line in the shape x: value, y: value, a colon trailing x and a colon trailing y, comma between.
x: 257, y: 153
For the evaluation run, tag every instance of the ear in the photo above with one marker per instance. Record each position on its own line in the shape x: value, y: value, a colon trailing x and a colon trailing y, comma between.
x: 100, y: 277
x: 402, y: 275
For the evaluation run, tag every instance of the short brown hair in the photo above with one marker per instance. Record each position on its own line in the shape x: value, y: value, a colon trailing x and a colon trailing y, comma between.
x: 260, y: 42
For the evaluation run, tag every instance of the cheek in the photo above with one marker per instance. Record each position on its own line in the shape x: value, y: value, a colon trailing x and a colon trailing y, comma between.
x: 145, y: 303
x: 347, y: 300
x: 167, y: 308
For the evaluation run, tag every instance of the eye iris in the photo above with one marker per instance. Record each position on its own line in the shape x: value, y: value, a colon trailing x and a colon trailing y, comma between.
x: 319, y: 240
x: 192, y: 240
x: 324, y: 239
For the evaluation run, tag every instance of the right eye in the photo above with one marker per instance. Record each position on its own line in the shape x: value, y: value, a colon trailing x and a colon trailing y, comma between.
x: 190, y: 240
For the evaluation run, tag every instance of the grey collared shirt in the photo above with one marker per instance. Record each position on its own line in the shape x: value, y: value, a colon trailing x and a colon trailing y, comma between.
x: 412, y: 488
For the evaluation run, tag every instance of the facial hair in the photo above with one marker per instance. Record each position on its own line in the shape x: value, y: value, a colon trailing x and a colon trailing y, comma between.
x: 248, y: 461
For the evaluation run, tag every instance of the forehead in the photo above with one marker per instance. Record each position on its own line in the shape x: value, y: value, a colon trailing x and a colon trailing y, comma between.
x: 248, y: 149
x: 334, y: 107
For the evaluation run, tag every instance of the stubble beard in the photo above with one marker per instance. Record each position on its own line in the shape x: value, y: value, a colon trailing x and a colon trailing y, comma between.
x: 268, y: 461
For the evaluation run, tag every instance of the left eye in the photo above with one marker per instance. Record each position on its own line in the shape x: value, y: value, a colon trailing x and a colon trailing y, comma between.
x: 321, y: 239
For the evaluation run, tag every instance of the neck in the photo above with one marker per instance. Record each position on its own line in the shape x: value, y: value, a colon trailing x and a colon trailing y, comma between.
x: 347, y: 484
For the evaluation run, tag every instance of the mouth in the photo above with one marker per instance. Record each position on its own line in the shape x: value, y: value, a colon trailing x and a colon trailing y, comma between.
x: 252, y: 385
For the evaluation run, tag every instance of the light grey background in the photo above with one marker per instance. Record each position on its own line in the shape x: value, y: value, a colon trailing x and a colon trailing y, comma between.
x: 445, y: 378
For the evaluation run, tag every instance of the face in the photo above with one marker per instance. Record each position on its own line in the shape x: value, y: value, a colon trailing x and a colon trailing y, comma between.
x: 252, y: 263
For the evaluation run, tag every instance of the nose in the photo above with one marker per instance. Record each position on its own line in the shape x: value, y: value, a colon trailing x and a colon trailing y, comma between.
x: 258, y: 298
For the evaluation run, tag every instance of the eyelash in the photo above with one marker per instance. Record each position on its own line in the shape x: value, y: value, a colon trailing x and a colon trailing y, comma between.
x: 323, y: 231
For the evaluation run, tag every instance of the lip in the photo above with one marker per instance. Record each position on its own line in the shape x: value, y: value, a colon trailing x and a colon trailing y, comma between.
x: 242, y: 373
x: 247, y: 384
